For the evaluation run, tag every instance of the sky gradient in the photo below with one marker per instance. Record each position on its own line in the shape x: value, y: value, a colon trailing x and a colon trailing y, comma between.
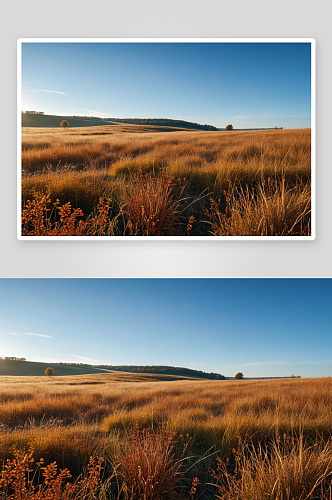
x: 261, y: 327
x: 248, y: 85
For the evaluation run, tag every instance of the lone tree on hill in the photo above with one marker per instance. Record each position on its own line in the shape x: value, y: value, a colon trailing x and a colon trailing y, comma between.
x: 49, y: 371
x: 229, y: 127
x: 239, y: 376
x: 64, y: 124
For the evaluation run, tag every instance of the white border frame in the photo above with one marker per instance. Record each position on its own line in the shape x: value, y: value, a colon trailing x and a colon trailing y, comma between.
x: 312, y: 41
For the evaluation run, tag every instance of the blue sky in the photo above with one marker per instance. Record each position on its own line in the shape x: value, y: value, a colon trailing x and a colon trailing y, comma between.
x: 261, y: 327
x: 249, y: 85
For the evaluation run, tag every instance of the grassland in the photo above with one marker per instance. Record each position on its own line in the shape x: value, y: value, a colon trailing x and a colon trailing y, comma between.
x: 168, y: 439
x: 132, y: 180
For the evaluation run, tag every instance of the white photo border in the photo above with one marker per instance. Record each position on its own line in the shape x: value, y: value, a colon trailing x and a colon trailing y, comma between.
x: 312, y: 41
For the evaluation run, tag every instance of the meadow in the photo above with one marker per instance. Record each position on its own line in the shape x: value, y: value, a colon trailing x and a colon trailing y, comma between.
x: 133, y: 436
x: 136, y: 180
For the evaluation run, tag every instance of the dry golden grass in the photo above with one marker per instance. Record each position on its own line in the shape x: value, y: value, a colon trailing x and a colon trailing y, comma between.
x: 280, y: 431
x: 82, y: 165
x: 148, y: 465
x: 286, y: 469
x: 150, y: 208
x: 270, y: 209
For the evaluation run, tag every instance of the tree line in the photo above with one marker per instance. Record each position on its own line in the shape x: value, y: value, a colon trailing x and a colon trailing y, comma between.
x: 12, y: 358
x: 165, y: 122
x: 157, y: 370
x: 163, y: 370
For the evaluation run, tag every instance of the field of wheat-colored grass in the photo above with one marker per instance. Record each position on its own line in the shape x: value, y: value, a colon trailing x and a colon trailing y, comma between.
x: 131, y: 180
x: 202, y: 439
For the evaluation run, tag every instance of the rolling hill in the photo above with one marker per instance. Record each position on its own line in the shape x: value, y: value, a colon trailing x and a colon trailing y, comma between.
x: 9, y: 367
x: 32, y: 368
x: 53, y: 121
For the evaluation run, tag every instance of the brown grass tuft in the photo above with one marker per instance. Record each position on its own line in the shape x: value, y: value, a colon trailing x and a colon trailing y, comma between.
x: 148, y: 466
x: 151, y: 208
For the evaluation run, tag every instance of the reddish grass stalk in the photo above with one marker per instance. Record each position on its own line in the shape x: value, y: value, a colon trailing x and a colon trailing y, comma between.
x: 39, y: 220
x: 151, y: 209
x: 148, y: 467
x: 21, y: 481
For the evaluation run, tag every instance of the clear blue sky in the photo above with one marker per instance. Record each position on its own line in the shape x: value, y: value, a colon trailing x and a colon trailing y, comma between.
x: 261, y: 327
x: 249, y: 85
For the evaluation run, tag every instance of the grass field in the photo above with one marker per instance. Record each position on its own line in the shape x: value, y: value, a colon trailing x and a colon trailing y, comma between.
x: 132, y: 180
x: 172, y: 439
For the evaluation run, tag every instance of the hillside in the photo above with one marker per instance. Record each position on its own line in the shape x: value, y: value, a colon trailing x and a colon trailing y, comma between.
x: 53, y: 121
x: 10, y: 367
x: 162, y: 124
x: 32, y: 368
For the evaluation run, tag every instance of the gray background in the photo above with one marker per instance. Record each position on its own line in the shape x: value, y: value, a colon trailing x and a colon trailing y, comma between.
x: 169, y: 18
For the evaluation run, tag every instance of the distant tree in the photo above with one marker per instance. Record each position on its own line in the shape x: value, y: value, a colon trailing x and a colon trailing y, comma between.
x: 49, y: 372
x: 229, y: 127
x: 64, y: 124
x: 239, y: 376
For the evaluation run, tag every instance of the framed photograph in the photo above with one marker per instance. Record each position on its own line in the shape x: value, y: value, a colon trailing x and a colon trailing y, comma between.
x: 164, y: 389
x: 166, y: 139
